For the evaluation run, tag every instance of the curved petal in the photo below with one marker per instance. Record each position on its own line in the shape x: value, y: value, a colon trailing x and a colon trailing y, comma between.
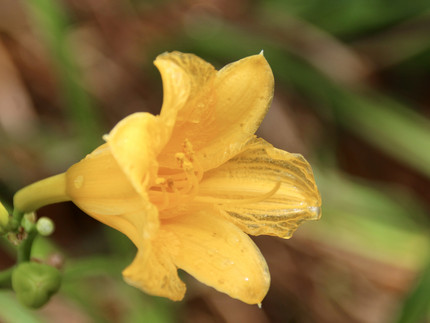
x: 219, y: 254
x: 153, y: 270
x: 186, y: 79
x: 222, y: 111
x: 263, y: 190
x: 99, y: 187
x: 135, y: 143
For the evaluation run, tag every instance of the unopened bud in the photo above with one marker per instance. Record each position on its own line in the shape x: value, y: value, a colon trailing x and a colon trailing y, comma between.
x: 45, y: 226
x: 28, y: 221
x: 35, y: 283
x: 4, y: 218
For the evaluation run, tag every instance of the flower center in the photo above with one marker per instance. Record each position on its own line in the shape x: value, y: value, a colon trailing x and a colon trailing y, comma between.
x: 177, y: 186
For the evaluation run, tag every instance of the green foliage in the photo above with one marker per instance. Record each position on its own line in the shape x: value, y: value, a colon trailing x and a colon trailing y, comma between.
x: 53, y: 24
x: 351, y: 18
x: 416, y: 306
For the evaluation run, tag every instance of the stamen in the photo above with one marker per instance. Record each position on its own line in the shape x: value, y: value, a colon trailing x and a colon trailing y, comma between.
x: 182, y: 185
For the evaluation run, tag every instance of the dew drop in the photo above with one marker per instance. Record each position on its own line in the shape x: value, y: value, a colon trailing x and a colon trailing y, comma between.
x: 315, y: 211
x: 232, y: 240
x: 79, y: 181
x: 223, y: 264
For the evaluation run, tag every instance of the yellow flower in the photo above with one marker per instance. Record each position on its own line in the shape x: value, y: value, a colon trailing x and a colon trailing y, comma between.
x: 187, y: 186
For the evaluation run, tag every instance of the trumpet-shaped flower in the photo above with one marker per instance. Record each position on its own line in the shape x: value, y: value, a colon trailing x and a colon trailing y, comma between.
x: 188, y: 185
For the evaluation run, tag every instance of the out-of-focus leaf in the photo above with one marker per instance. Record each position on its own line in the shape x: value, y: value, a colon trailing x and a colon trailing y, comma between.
x: 51, y: 21
x: 12, y: 311
x: 351, y: 18
x: 367, y: 219
x: 416, y: 307
x: 83, y: 277
x: 144, y: 308
x: 387, y: 124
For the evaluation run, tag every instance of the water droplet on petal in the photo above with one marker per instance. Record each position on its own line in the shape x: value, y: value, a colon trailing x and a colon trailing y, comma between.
x: 79, y: 181
x: 315, y: 211
x: 223, y: 264
x: 232, y: 240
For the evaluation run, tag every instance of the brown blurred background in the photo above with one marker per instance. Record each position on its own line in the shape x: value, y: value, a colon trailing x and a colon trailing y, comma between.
x: 352, y: 95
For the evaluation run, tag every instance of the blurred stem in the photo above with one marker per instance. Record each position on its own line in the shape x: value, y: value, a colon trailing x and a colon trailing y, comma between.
x: 5, y: 278
x: 15, y: 221
x: 24, y: 255
x: 51, y: 20
x: 24, y: 249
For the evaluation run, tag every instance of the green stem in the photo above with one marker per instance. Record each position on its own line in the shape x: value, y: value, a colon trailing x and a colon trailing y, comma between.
x: 15, y: 221
x: 24, y: 249
x: 47, y: 191
x: 5, y: 277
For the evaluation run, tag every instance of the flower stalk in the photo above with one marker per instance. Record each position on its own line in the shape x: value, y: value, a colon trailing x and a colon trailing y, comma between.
x: 47, y: 191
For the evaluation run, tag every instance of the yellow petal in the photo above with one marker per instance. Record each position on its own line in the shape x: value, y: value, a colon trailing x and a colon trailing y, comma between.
x: 135, y: 143
x: 223, y: 109
x: 153, y: 270
x: 219, y: 254
x: 186, y: 78
x: 100, y: 188
x: 263, y: 190
x: 98, y: 176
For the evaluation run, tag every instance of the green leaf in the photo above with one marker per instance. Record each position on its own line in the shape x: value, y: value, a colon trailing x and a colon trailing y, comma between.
x: 51, y: 21
x: 417, y: 304
x: 12, y: 311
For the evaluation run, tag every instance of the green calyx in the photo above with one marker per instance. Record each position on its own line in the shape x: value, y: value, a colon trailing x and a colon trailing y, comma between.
x: 35, y: 283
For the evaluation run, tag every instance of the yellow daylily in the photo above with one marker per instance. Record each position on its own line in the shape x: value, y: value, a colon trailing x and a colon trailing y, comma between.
x: 187, y: 186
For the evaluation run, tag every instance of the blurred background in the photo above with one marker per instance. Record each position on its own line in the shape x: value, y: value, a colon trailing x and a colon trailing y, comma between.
x: 352, y: 95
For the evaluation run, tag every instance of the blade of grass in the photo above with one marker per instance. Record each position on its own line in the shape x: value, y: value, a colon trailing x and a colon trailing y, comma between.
x: 372, y: 220
x: 350, y: 18
x: 51, y: 21
x: 416, y: 306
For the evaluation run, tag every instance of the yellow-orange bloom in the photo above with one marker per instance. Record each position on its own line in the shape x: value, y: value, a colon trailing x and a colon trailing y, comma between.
x: 187, y: 186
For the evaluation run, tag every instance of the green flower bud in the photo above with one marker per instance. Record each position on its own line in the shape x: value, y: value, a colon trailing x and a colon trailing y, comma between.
x: 35, y: 283
x: 28, y: 221
x: 45, y: 226
x: 4, y: 218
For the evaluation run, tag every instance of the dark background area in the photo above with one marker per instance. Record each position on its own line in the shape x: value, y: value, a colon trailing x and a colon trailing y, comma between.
x: 352, y: 95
